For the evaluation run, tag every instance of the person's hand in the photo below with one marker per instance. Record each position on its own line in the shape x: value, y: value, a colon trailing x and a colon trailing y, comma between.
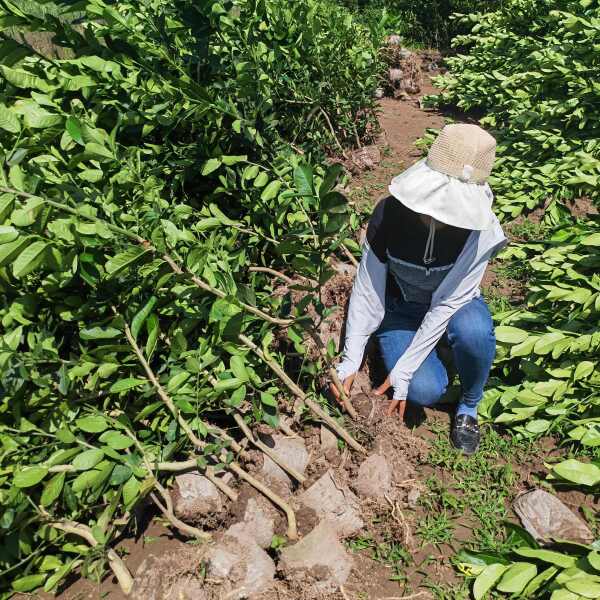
x: 395, y: 406
x: 346, y: 384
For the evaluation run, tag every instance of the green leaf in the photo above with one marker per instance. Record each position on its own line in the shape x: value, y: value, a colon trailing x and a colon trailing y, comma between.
x: 131, y: 491
x: 8, y: 120
x: 549, y: 556
x: 141, y: 316
x: 29, y: 259
x: 210, y: 165
x: 594, y: 559
x: 52, y: 489
x: 578, y: 472
x: 545, y: 343
x: 92, y: 424
x: 268, y: 399
x: 116, y: 440
x: 8, y: 234
x: 303, y: 180
x: 99, y: 152
x: 126, y: 384
x: 587, y: 587
x: 517, y: 576
x: 486, y: 580
x: 29, y: 582
x: 261, y: 180
x: 29, y: 476
x: 99, y: 333
x: 591, y: 240
x: 73, y: 126
x: 510, y: 335
x: 88, y: 459
x: 124, y: 261
x: 271, y: 190
x: 238, y: 368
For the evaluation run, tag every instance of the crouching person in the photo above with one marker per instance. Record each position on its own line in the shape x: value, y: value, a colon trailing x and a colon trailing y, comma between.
x: 427, y: 248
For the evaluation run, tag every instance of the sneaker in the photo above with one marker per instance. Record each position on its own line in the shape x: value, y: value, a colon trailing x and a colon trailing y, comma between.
x: 465, y: 434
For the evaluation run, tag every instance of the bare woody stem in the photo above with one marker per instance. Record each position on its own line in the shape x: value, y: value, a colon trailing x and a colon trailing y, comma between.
x: 333, y: 374
x: 313, y: 406
x: 266, y: 450
x: 167, y: 509
x: 118, y: 567
x: 198, y: 443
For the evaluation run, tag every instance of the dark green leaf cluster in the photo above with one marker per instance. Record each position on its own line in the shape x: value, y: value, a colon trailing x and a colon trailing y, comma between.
x: 147, y: 170
x: 533, y: 68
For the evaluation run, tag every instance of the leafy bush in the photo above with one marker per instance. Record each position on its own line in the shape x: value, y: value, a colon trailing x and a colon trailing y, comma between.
x: 548, y: 350
x: 531, y: 67
x: 525, y: 570
x: 147, y: 182
x: 431, y: 23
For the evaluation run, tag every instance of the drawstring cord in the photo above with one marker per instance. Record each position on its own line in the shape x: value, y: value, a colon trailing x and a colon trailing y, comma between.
x: 428, y: 257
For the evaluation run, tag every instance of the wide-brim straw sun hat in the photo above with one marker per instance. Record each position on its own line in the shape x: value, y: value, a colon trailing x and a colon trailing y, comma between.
x: 450, y: 185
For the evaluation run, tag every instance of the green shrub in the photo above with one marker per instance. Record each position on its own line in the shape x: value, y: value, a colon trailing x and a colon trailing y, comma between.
x: 532, y: 67
x: 142, y: 177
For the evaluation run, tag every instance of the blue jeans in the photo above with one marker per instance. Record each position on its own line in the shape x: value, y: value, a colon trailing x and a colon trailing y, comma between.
x: 470, y: 336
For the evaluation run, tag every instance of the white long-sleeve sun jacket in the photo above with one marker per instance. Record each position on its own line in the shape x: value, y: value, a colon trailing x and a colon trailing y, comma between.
x: 367, y: 305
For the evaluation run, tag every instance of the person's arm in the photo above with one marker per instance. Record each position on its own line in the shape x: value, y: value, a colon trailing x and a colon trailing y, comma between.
x: 365, y: 311
x: 367, y: 302
x: 459, y: 287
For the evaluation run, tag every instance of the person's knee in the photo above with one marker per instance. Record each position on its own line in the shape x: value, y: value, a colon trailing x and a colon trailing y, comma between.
x: 471, y: 331
x: 426, y: 391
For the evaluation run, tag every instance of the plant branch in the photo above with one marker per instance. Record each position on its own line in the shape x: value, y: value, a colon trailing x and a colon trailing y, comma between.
x: 313, y: 406
x: 268, y: 451
x: 119, y: 568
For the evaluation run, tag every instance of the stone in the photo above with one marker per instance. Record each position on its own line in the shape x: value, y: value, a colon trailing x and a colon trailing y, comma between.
x: 374, y: 479
x: 413, y: 497
x: 258, y: 523
x: 329, y: 440
x: 334, y: 503
x: 194, y: 497
x: 240, y: 567
x: 546, y: 518
x: 291, y: 450
x: 320, y: 558
x: 171, y: 576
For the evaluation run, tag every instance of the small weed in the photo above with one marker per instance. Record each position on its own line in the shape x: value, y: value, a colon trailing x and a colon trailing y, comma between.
x: 389, y: 553
x: 478, y: 486
x: 496, y: 301
x: 528, y: 230
x: 436, y: 529
x: 449, y: 592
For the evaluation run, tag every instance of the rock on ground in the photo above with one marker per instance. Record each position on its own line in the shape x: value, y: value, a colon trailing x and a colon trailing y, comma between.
x: 258, y: 523
x: 320, y: 559
x: 334, y: 503
x: 374, y: 479
x: 329, y: 440
x: 240, y: 568
x: 545, y: 517
x: 172, y: 576
x: 194, y: 497
x: 291, y: 450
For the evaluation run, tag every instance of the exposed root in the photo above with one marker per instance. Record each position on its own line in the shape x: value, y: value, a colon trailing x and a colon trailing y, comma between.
x: 118, y: 567
x: 292, y: 531
x: 264, y: 448
x: 398, y: 516
x: 167, y: 511
x: 233, y: 466
x: 313, y: 406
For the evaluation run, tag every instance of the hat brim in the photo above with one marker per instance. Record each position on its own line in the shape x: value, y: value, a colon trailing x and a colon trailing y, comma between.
x: 447, y: 199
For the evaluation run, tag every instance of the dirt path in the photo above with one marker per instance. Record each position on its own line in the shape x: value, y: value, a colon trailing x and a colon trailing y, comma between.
x: 402, y: 122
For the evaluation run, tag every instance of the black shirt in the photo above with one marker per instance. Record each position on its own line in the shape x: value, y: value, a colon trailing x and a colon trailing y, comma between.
x: 397, y: 230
